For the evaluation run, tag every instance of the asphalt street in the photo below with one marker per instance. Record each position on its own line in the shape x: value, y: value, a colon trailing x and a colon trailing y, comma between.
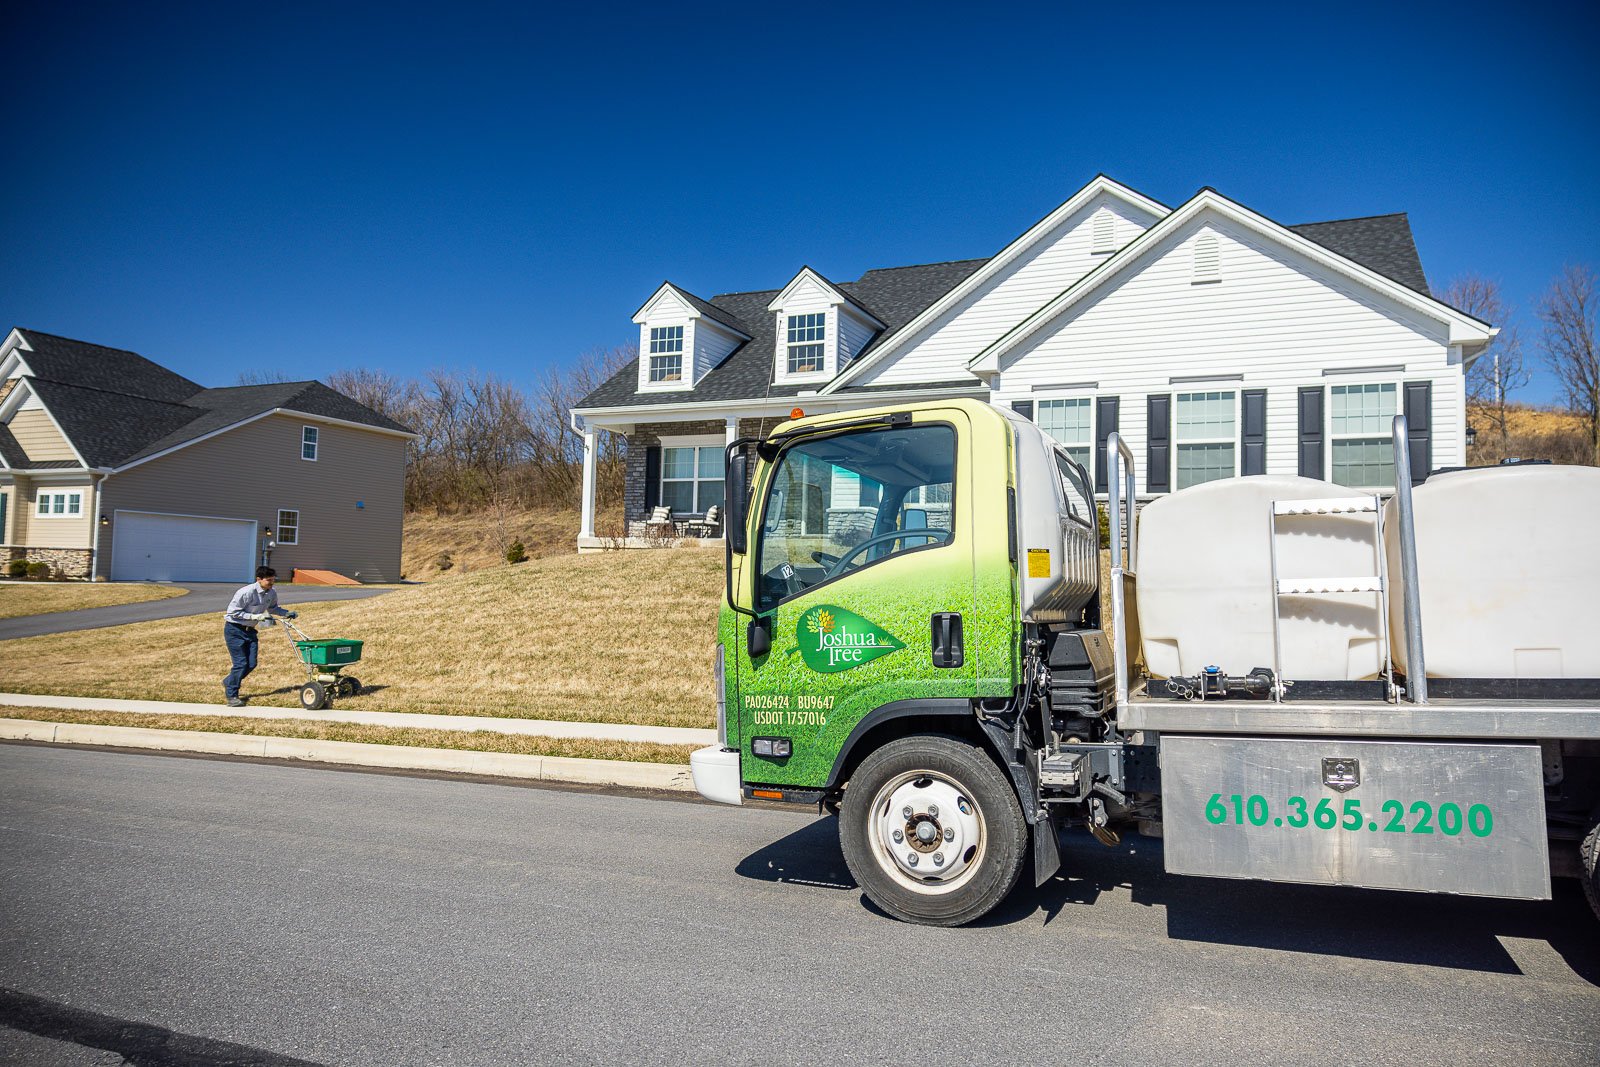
x: 235, y: 912
x: 203, y: 598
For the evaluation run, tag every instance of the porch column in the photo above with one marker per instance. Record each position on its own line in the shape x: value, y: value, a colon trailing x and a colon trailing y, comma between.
x: 733, y: 431
x: 586, y: 526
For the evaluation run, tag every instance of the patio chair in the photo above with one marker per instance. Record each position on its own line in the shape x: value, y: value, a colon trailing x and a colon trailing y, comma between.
x: 709, y: 526
x: 660, y: 524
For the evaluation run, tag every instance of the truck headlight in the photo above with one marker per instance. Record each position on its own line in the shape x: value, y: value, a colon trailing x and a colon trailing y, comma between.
x: 720, y: 673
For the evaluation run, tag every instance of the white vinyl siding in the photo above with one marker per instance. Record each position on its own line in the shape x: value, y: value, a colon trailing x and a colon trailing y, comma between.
x: 1278, y: 322
x: 309, y: 443
x: 1360, y: 437
x: 710, y: 343
x: 666, y: 354
x: 288, y: 527
x: 1071, y: 422
x: 939, y: 353
x: 1205, y: 429
x: 854, y: 333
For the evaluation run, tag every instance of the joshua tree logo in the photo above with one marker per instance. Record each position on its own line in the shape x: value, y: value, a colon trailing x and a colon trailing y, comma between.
x: 833, y: 639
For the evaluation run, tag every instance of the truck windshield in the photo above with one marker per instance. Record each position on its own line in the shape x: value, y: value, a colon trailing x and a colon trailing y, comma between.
x: 836, y: 504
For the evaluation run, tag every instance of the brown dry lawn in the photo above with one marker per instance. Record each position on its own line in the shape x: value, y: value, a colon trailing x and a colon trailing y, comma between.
x: 478, y: 540
x: 469, y: 740
x: 611, y: 637
x: 27, y: 598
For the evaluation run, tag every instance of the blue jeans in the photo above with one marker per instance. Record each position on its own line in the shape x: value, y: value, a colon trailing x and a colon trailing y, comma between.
x: 242, y: 642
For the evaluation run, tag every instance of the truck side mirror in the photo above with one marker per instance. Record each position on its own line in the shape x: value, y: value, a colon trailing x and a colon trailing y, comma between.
x: 735, y: 503
x: 759, y: 636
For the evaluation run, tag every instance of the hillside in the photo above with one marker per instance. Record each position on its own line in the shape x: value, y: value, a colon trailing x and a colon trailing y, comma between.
x: 609, y: 637
x: 1531, y: 433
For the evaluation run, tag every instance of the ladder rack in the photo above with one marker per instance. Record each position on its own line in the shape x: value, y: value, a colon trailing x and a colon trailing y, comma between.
x: 1361, y: 583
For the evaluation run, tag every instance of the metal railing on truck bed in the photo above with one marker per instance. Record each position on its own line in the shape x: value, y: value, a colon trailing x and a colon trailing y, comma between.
x: 1414, y: 716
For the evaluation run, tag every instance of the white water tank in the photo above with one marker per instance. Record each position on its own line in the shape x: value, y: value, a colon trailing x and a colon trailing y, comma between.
x: 1508, y: 563
x: 1205, y: 582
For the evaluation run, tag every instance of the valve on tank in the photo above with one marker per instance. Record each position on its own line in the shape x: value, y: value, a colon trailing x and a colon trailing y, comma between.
x: 1213, y: 684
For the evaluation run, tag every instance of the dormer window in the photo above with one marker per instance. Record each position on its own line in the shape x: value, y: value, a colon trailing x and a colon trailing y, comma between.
x: 806, y: 343
x: 666, y: 353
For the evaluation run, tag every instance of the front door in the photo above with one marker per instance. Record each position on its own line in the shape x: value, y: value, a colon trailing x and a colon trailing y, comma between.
x: 863, y: 538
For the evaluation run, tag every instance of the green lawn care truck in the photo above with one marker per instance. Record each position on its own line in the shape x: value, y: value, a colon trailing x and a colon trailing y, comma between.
x: 911, y: 639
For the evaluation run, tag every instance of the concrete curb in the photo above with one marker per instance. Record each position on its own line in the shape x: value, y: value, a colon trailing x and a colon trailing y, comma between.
x: 595, y: 731
x: 670, y: 776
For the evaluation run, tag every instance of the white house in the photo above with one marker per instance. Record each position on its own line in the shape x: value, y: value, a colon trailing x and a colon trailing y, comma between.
x: 1217, y: 341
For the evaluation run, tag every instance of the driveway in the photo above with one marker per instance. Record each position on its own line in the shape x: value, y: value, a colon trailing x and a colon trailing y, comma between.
x: 203, y: 599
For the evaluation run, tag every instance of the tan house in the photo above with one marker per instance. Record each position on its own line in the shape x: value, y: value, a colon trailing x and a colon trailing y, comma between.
x: 114, y: 466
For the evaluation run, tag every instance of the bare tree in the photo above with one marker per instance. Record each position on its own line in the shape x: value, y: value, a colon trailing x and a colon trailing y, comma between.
x: 1570, y: 349
x: 257, y: 376
x: 1498, y: 371
x: 397, y: 398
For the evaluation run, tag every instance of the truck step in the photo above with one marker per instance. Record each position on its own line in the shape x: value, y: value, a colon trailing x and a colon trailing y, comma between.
x: 1301, y: 586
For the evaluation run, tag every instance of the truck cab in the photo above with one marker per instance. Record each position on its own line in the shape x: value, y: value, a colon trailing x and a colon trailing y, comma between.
x: 912, y: 639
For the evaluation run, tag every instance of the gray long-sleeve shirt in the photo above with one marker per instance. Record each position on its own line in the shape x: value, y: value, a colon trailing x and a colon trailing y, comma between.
x: 251, y: 603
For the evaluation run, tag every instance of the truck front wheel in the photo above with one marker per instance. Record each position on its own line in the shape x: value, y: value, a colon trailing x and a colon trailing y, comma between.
x: 932, y: 831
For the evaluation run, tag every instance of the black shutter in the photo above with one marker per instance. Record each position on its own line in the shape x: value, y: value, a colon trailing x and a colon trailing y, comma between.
x: 1419, y: 428
x: 1023, y: 408
x: 1253, y: 460
x: 652, y: 479
x: 1105, y: 424
x: 1311, y: 432
x: 1158, y: 439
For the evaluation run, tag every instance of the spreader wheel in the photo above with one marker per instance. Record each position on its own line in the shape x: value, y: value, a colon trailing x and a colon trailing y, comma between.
x: 349, y: 686
x: 313, y: 696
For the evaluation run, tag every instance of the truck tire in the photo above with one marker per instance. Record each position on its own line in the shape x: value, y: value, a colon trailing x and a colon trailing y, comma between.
x: 1589, y: 856
x: 932, y: 831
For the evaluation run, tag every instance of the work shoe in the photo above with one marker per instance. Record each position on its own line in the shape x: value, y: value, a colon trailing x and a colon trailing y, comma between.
x: 235, y: 702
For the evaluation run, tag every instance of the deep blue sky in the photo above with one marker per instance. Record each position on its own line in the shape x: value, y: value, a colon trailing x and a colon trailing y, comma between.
x: 304, y: 188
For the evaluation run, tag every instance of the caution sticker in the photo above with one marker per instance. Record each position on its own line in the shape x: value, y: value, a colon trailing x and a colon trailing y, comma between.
x: 1038, y: 563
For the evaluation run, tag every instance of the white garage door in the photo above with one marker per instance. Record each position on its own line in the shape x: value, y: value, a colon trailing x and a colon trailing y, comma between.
x: 146, y: 546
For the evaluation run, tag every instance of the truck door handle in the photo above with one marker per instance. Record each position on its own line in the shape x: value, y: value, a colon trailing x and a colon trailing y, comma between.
x: 948, y: 649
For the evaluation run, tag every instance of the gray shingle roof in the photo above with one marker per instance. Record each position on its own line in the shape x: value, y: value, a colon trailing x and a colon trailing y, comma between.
x: 116, y: 406
x: 61, y: 359
x: 215, y: 409
x: 894, y: 295
x: 1382, y: 243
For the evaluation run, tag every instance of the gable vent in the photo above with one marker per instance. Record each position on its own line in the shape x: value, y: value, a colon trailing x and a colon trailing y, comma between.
x: 1104, y: 237
x: 1207, y: 260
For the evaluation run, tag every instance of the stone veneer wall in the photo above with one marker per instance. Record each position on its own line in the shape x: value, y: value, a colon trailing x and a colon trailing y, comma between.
x: 73, y: 562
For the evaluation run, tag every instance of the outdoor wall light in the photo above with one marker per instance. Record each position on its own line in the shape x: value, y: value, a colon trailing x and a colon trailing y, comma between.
x: 105, y: 520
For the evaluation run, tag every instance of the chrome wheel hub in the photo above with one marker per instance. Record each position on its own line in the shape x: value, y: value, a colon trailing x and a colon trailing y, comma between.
x: 926, y: 831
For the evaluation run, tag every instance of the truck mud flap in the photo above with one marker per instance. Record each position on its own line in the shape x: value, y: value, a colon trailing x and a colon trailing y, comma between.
x: 1463, y: 818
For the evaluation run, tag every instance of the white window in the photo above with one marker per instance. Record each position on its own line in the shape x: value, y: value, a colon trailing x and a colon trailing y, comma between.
x: 1070, y: 422
x: 666, y: 353
x: 691, y: 478
x: 288, y: 527
x: 308, y: 443
x: 59, y: 504
x: 1206, y: 437
x: 1359, y: 432
x: 805, y: 342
